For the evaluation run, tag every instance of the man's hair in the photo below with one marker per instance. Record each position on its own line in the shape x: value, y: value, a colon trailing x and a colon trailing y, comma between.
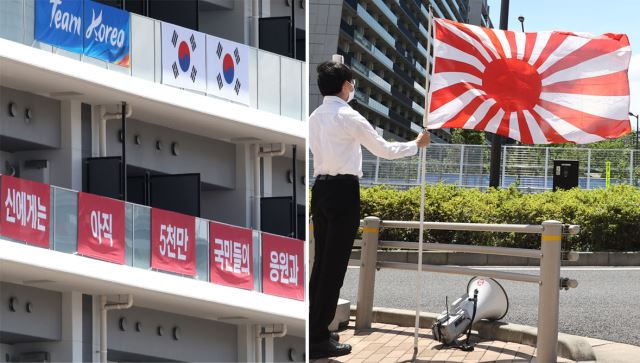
x: 331, y: 77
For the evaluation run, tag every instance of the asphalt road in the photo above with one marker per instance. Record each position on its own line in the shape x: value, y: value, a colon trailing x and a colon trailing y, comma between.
x: 605, y: 305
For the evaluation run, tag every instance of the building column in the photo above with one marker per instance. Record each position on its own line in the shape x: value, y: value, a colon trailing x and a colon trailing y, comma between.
x: 71, y: 326
x: 246, y: 345
x: 267, y: 176
x: 69, y: 174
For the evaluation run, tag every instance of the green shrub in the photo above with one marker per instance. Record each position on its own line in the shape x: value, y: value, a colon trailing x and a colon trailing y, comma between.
x: 609, y: 218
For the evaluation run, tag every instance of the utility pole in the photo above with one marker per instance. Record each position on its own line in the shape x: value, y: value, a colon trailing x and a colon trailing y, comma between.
x: 497, y: 140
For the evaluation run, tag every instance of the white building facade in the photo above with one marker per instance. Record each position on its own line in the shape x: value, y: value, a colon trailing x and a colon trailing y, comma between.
x: 62, y: 108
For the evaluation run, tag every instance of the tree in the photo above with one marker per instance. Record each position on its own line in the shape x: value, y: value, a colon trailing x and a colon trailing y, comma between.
x: 468, y: 137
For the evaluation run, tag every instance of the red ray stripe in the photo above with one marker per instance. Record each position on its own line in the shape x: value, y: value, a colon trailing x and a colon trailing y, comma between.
x: 548, y: 131
x: 511, y: 38
x: 473, y: 35
x: 480, y: 126
x: 447, y: 94
x: 450, y: 65
x: 591, y: 49
x: 614, y: 84
x: 553, y: 43
x: 447, y: 36
x: 462, y: 117
x: 525, y: 134
x: 494, y: 40
x: 604, y: 127
x: 503, y: 129
x: 529, y: 43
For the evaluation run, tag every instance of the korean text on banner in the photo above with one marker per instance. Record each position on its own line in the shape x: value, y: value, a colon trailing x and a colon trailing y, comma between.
x: 183, y: 58
x: 106, y: 33
x: 282, y: 266
x: 173, y: 242
x: 101, y: 228
x: 231, y: 255
x: 59, y: 23
x: 228, y: 69
x: 25, y: 211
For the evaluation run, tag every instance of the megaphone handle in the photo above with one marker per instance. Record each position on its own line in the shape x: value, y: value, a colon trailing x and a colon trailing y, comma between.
x: 473, y: 316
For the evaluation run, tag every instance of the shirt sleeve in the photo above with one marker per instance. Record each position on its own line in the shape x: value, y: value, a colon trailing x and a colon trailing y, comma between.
x: 367, y: 136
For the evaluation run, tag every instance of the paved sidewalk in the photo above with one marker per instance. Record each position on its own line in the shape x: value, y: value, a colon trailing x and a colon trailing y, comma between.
x: 392, y: 343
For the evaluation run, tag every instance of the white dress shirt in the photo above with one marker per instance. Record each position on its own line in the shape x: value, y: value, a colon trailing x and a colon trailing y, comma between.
x: 336, y: 132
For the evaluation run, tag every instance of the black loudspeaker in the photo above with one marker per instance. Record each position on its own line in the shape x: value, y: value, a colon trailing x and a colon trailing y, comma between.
x: 565, y: 174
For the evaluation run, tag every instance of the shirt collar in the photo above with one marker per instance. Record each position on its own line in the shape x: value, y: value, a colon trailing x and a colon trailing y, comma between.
x: 334, y: 99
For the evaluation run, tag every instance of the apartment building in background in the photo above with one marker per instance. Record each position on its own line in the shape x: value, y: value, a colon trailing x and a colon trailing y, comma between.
x: 384, y: 42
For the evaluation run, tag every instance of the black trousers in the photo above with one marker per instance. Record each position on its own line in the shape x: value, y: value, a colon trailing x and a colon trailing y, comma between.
x: 335, y: 209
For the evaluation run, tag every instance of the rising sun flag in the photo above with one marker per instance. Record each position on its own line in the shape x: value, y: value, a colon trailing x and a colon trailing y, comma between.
x: 536, y: 88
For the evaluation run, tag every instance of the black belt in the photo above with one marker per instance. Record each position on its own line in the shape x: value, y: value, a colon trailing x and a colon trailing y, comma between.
x: 337, y: 177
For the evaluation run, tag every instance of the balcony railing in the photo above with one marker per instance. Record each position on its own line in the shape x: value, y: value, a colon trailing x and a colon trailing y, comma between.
x: 276, y: 82
x: 373, y: 23
x: 64, y: 237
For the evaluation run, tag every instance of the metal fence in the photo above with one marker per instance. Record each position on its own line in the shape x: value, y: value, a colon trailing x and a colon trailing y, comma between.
x: 529, y: 168
x: 549, y: 280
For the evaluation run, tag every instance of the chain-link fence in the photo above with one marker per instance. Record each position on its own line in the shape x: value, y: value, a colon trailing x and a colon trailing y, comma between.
x: 529, y: 168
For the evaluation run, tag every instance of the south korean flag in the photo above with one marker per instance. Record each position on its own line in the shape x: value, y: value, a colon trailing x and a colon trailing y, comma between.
x: 183, y: 57
x: 228, y: 69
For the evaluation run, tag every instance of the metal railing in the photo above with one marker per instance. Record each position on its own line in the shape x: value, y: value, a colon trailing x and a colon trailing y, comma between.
x: 529, y: 168
x: 64, y: 237
x: 549, y: 280
x: 276, y: 83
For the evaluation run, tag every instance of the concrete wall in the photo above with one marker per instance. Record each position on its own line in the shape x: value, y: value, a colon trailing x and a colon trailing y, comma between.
x: 232, y: 24
x: 43, y: 130
x: 20, y: 325
x: 199, y: 340
x: 65, y: 161
x: 282, y: 346
x: 213, y: 159
x: 280, y: 186
x: 324, y: 26
x: 232, y: 206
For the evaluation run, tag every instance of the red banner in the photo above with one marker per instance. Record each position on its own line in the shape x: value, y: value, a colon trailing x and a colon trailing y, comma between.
x: 173, y: 242
x: 25, y: 211
x: 231, y: 255
x: 101, y: 227
x: 282, y: 266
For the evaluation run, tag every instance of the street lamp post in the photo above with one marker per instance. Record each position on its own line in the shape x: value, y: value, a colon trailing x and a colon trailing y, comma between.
x: 636, y: 116
x: 521, y: 20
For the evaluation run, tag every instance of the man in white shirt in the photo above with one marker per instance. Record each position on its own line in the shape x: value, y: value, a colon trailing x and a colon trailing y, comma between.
x: 336, y: 133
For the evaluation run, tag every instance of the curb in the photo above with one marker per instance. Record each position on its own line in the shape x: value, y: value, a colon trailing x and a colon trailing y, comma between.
x: 474, y: 259
x: 572, y: 347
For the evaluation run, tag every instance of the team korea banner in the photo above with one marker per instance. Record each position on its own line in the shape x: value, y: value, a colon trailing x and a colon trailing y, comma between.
x: 282, y: 266
x: 25, y: 210
x: 231, y: 255
x: 173, y: 242
x: 536, y: 88
x: 59, y: 23
x: 183, y: 57
x: 101, y: 228
x: 106, y: 34
x: 228, y: 69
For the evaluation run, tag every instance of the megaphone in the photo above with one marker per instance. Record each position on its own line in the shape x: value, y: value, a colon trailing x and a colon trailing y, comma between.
x: 485, y: 299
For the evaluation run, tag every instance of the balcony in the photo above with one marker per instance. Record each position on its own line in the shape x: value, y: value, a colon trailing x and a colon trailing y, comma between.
x: 277, y: 83
x: 63, y: 231
x: 373, y: 23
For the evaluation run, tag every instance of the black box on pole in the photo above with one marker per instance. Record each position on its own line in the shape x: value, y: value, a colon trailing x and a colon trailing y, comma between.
x: 565, y: 174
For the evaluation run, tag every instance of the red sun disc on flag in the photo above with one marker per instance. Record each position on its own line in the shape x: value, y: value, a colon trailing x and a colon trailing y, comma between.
x: 537, y: 88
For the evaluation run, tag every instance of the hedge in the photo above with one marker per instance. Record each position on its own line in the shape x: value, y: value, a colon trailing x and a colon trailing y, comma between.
x: 609, y: 218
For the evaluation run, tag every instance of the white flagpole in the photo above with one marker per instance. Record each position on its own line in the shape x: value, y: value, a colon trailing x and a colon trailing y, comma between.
x: 423, y: 167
